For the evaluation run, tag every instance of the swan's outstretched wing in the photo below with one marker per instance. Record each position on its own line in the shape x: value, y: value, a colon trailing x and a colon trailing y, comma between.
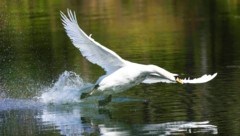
x: 202, y: 79
x: 92, y: 50
x: 155, y: 79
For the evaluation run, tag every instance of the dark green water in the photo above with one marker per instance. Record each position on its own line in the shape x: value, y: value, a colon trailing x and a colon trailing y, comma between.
x: 186, y: 37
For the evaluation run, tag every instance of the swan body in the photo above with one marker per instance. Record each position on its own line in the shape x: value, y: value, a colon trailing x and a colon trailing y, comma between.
x: 126, y: 77
x: 120, y: 74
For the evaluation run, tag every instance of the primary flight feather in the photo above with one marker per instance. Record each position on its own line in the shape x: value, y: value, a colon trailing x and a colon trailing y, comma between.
x: 120, y: 74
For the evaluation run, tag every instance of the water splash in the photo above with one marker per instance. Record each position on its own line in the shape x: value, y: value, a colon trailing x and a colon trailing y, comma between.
x: 67, y: 89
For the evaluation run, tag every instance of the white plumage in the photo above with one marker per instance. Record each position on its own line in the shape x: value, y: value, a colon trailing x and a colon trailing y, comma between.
x: 120, y: 74
x: 92, y: 50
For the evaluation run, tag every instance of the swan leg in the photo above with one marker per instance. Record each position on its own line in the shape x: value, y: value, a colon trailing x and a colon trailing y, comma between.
x: 105, y: 101
x: 84, y: 95
x: 88, y: 94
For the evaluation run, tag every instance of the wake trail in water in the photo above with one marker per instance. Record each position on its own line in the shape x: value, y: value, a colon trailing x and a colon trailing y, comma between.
x: 67, y: 89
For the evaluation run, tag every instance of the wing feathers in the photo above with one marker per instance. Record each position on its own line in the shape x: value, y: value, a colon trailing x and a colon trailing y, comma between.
x: 151, y: 79
x: 92, y: 50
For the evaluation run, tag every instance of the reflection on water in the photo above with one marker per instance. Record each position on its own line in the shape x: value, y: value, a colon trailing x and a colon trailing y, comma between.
x: 71, y: 122
x: 18, y: 104
x: 82, y: 120
x: 187, y: 37
x: 179, y: 128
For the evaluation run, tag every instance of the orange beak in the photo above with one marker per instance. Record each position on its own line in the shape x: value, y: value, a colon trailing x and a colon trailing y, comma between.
x: 179, y: 80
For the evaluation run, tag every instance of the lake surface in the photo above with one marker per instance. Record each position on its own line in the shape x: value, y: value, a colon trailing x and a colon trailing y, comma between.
x: 42, y: 73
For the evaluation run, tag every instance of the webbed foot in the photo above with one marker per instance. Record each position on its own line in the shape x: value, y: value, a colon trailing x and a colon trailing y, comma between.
x: 85, y: 95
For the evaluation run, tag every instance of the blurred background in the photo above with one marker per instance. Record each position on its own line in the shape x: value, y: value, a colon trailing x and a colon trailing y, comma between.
x: 186, y: 37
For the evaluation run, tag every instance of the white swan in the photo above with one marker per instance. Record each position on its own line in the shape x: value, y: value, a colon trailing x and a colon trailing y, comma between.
x: 120, y: 74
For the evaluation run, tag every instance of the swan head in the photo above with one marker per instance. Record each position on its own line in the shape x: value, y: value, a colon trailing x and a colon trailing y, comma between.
x: 158, y: 71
